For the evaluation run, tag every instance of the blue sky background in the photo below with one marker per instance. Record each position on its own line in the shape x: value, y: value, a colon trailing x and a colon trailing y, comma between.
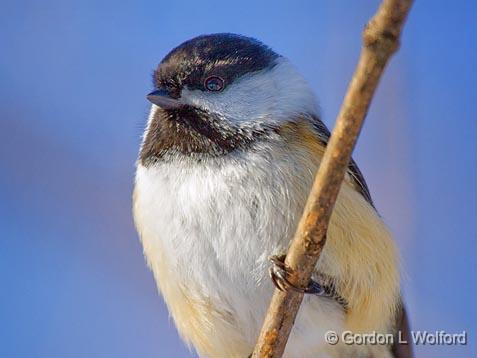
x: 73, y: 79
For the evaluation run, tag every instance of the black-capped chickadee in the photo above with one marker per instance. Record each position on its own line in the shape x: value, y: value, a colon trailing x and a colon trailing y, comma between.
x: 229, y: 153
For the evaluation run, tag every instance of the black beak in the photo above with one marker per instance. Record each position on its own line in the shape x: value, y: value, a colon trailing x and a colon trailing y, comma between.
x: 163, y: 99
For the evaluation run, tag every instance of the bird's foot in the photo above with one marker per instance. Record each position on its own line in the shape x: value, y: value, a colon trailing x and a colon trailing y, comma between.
x: 279, y: 274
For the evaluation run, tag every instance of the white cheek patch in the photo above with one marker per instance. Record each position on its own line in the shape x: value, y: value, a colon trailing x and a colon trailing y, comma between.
x: 268, y: 96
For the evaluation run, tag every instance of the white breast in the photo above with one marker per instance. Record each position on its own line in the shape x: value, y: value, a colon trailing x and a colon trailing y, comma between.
x: 220, y: 220
x: 216, y: 223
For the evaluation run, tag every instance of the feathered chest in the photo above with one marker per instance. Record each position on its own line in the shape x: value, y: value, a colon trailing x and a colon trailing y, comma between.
x: 217, y: 221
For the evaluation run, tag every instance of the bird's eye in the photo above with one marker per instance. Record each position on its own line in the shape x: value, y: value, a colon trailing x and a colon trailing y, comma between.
x: 214, y: 84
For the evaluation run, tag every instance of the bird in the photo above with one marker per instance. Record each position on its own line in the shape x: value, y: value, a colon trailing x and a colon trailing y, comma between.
x: 227, y: 159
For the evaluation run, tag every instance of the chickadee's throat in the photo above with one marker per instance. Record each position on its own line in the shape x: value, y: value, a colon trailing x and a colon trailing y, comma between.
x: 188, y: 131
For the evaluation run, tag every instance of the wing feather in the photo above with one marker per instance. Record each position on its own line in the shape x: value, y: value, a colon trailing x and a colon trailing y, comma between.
x: 353, y: 169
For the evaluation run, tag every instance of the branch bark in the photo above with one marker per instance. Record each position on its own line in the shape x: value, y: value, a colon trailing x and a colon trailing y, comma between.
x: 380, y: 40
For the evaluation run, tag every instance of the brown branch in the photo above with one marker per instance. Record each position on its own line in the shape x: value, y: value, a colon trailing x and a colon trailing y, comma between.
x: 380, y: 41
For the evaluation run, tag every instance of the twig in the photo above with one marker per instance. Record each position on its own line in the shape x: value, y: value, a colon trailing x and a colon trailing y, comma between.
x: 380, y: 41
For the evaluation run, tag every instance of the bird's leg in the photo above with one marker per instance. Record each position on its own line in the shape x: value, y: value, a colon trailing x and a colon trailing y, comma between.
x: 279, y: 274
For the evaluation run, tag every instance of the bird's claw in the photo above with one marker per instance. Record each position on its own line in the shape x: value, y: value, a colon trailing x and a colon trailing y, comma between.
x: 279, y: 274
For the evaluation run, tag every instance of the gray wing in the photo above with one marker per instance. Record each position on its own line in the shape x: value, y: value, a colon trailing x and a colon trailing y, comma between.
x: 324, y: 135
x: 402, y: 321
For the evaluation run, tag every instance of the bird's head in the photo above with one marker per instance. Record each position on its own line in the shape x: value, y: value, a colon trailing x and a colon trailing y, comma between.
x: 217, y: 93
